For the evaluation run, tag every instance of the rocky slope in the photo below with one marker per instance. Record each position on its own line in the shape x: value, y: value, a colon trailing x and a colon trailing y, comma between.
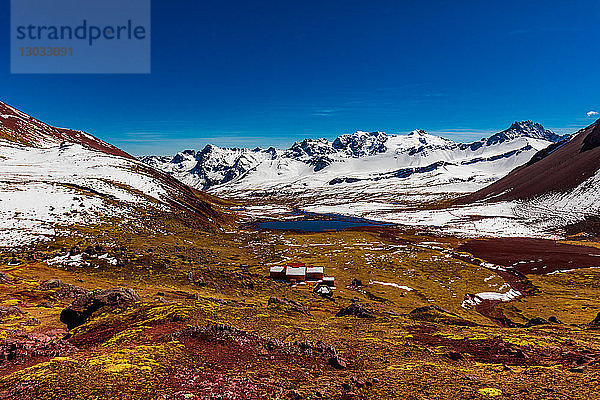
x: 18, y: 127
x: 53, y: 178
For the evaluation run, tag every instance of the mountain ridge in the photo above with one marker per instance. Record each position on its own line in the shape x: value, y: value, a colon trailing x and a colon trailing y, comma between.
x: 22, y: 128
x: 214, y: 166
x: 61, y: 177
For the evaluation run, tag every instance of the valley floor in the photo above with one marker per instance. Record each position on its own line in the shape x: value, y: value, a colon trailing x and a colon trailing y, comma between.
x: 430, y: 321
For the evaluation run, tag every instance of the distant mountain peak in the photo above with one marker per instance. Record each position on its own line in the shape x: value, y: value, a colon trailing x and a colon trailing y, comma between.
x: 361, y: 143
x: 528, y: 129
x: 214, y: 166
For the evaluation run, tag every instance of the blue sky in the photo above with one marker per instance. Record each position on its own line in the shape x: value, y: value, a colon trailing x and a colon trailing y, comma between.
x: 266, y: 73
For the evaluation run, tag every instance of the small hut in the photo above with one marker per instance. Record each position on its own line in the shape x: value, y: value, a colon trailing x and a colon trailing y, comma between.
x: 277, y: 272
x: 314, y: 273
x: 295, y: 273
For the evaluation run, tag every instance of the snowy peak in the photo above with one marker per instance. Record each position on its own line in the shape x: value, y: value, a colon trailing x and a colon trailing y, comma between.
x: 364, y: 152
x: 310, y: 148
x: 18, y: 127
x: 360, y: 144
x: 528, y: 129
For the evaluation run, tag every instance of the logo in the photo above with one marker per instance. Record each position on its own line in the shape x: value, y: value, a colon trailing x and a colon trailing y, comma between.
x: 80, y: 36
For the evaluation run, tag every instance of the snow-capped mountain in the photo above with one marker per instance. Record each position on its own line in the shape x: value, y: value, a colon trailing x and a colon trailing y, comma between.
x: 54, y: 178
x: 351, y: 158
x: 555, y: 193
x: 364, y: 174
x: 525, y: 128
x: 560, y: 185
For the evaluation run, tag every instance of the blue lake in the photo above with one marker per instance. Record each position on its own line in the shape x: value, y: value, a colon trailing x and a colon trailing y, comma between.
x: 309, y: 225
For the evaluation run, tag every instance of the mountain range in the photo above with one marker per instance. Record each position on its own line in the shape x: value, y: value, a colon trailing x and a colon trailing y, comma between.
x: 520, y: 181
x: 361, y: 156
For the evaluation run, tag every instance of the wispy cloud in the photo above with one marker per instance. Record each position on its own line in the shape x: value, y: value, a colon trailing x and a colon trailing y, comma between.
x: 326, y: 112
x: 592, y: 113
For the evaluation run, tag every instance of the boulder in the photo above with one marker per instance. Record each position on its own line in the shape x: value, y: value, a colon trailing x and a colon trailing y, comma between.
x: 61, y: 289
x: 356, y: 283
x: 436, y: 314
x: 84, y: 306
x: 337, y: 362
x: 356, y: 310
x: 596, y: 322
x: 536, y: 322
x: 9, y: 310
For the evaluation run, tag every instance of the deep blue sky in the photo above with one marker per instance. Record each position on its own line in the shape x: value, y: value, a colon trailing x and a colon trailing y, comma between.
x: 256, y: 73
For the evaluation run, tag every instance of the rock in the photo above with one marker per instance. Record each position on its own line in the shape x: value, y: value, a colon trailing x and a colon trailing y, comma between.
x: 10, y: 310
x: 579, y: 369
x: 356, y: 310
x: 13, y: 262
x: 90, y: 250
x: 436, y: 314
x: 32, y: 322
x: 536, y: 322
x: 596, y: 322
x: 84, y: 306
x: 356, y: 283
x: 517, y: 353
x: 51, y: 284
x: 46, y: 304
x: 295, y: 395
x: 454, y: 356
x: 196, y: 278
x: 337, y: 363
x: 20, y: 348
x: 61, y: 289
x: 554, y: 320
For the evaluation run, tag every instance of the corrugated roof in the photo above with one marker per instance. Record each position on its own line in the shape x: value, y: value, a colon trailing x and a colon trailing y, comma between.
x: 295, y: 271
